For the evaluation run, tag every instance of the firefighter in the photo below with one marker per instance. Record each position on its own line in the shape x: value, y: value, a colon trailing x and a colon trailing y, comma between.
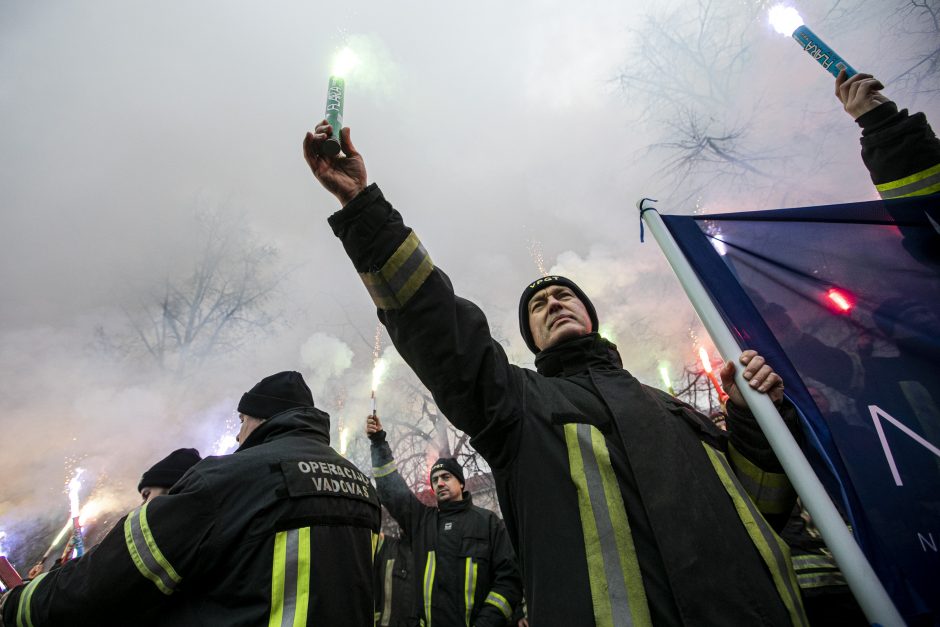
x: 466, y: 564
x: 160, y: 477
x: 281, y: 532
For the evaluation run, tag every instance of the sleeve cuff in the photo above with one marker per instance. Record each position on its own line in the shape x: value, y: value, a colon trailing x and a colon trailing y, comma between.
x: 875, y: 118
x: 378, y: 437
x: 355, y: 206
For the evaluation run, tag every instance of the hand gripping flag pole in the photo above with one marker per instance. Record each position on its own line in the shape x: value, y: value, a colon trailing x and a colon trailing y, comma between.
x: 871, y: 595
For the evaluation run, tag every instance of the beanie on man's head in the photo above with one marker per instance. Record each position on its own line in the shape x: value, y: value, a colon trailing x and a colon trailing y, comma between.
x: 450, y: 465
x: 170, y: 469
x: 532, y: 289
x: 274, y: 394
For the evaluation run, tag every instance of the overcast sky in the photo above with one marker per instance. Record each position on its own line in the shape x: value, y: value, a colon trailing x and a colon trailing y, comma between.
x: 495, y: 128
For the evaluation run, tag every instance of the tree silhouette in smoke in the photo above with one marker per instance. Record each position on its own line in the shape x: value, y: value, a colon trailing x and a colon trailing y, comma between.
x: 223, y: 302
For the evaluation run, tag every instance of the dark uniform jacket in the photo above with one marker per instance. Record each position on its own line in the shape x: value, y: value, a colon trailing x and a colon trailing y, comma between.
x: 465, y: 564
x: 624, y: 504
x: 901, y: 152
x: 394, y: 583
x: 278, y: 533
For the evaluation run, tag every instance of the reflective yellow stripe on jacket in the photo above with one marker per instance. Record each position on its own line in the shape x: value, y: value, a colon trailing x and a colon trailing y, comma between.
x: 384, y: 470
x: 469, y: 586
x: 919, y: 184
x: 145, y: 553
x: 386, y: 616
x: 396, y: 282
x: 775, y: 553
x: 613, y: 570
x: 24, y: 616
x: 429, y: 568
x: 817, y: 571
x: 771, y: 491
x: 290, y: 578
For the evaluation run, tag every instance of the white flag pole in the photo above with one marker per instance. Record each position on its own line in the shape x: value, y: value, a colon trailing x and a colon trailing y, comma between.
x: 865, y: 585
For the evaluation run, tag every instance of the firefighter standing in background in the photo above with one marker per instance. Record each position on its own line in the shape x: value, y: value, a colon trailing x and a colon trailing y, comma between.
x: 280, y: 532
x: 466, y: 567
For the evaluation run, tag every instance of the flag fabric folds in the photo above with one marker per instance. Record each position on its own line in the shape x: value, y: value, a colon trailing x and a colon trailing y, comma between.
x: 844, y: 301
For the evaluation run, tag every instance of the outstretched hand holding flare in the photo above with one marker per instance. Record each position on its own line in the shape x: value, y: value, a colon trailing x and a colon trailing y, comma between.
x: 343, y: 175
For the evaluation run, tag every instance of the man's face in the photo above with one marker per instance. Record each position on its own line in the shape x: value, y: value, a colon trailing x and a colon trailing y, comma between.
x: 446, y: 487
x: 150, y: 492
x: 249, y: 424
x: 556, y: 314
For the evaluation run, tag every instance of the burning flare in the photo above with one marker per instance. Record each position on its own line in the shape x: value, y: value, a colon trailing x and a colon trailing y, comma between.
x: 784, y: 19
x: 344, y: 62
x: 75, y: 485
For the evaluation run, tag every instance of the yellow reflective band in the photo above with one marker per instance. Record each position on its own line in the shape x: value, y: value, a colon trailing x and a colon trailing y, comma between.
x: 773, y: 551
x: 617, y: 591
x: 277, y: 579
x: 401, y: 276
x: 771, y: 491
x: 429, y: 569
x: 806, y: 562
x: 820, y: 580
x: 386, y: 614
x: 470, y: 587
x: 377, y: 541
x: 290, y: 578
x: 382, y: 471
x: 917, y: 184
x: 303, y: 577
x: 24, y: 614
x: 498, y: 600
x: 145, y: 554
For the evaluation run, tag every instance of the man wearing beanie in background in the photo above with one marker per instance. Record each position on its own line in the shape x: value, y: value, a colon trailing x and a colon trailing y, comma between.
x: 278, y: 533
x: 467, y: 573
x: 625, y: 505
x: 160, y: 478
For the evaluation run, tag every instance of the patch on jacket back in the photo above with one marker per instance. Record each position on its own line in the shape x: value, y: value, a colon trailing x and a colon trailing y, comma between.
x: 319, y: 478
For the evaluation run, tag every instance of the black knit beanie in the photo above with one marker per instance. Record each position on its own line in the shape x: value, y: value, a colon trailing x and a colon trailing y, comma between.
x: 450, y: 465
x: 274, y: 394
x: 170, y: 469
x: 532, y: 289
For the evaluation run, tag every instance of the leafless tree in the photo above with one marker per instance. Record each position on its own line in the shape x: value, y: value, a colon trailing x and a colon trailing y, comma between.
x: 223, y: 302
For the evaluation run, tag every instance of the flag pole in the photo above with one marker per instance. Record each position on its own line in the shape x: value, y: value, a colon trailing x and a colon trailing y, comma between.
x: 864, y: 583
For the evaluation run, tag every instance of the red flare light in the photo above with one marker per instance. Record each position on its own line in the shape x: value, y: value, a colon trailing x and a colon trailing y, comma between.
x: 840, y: 300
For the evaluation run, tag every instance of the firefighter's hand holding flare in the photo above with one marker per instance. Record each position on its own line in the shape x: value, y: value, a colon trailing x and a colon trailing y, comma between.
x: 859, y: 94
x: 758, y: 374
x: 343, y: 175
x: 373, y: 425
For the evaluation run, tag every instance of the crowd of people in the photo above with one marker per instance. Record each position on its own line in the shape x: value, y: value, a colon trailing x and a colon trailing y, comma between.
x: 620, y: 504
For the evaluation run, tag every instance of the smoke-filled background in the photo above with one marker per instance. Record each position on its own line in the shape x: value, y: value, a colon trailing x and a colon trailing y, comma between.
x: 163, y: 245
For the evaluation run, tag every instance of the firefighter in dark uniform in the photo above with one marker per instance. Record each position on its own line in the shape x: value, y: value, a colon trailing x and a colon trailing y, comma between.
x: 625, y: 506
x: 466, y: 567
x: 280, y: 533
x: 394, y: 582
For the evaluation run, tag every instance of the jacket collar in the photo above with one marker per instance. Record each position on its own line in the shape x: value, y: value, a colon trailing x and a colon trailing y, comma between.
x: 449, y: 507
x: 310, y: 420
x: 588, y: 352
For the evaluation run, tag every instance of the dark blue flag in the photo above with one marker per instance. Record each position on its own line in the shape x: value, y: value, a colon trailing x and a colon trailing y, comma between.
x: 844, y: 302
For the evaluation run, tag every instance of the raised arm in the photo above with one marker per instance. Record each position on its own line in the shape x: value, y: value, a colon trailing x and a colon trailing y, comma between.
x: 393, y: 491
x: 901, y: 151
x: 444, y: 338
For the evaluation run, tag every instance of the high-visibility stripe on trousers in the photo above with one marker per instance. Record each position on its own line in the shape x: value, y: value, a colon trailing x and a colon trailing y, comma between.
x: 613, y: 570
x: 290, y: 578
x: 774, y: 552
x: 146, y: 555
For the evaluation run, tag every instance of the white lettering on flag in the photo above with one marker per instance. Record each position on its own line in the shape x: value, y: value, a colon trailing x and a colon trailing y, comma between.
x: 876, y: 413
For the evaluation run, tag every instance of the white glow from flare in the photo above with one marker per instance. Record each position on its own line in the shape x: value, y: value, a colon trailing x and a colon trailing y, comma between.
x: 706, y: 361
x: 344, y: 62
x: 606, y: 331
x: 664, y: 374
x: 225, y: 444
x: 343, y: 440
x: 96, y: 506
x: 75, y: 485
x: 3, y: 536
x: 378, y: 371
x: 784, y: 19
